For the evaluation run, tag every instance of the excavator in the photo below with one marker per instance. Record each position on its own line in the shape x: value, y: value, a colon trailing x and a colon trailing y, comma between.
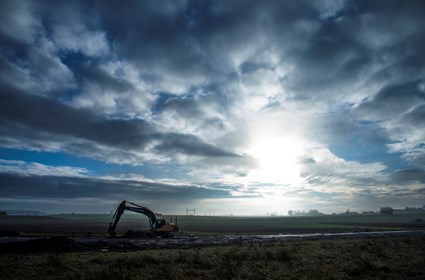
x: 158, y: 227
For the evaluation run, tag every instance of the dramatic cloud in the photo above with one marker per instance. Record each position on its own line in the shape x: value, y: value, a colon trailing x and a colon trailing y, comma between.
x: 234, y: 104
x: 34, y: 181
x: 74, y: 125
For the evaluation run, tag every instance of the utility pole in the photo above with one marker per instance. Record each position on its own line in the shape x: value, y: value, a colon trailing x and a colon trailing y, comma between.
x: 190, y: 212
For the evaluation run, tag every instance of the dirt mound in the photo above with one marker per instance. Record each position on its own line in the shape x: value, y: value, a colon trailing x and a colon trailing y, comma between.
x: 52, y: 244
x: 9, y: 233
x: 138, y: 234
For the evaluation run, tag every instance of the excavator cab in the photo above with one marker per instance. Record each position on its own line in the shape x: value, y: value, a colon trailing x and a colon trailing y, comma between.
x: 161, y: 223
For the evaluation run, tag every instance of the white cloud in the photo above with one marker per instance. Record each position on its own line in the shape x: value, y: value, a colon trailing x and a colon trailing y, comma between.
x: 47, y: 71
x: 323, y: 171
x: 33, y: 168
x: 39, y: 69
x: 329, y: 8
x: 76, y: 37
x: 18, y: 21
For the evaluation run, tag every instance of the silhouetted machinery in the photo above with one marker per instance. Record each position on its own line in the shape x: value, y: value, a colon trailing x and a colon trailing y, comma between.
x: 157, y: 226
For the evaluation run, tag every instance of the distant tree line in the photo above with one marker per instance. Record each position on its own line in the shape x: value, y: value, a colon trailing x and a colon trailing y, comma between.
x: 383, y: 211
x: 311, y: 212
x: 390, y: 210
x: 386, y: 210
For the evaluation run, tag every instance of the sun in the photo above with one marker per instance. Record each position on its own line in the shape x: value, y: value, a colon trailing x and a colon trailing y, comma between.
x: 277, y: 160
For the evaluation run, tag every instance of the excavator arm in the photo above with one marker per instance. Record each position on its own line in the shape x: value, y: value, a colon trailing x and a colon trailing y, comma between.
x: 153, y: 221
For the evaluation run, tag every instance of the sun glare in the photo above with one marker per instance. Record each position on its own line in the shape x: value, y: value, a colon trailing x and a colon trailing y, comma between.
x: 277, y: 159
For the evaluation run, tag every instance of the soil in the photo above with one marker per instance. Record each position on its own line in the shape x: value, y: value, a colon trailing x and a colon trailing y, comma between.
x: 22, y: 244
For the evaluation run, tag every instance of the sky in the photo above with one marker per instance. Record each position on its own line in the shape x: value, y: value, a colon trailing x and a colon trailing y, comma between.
x: 241, y: 107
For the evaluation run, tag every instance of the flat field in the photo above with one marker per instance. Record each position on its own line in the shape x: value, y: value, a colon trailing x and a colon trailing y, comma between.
x: 389, y: 257
x: 395, y: 256
x: 80, y: 224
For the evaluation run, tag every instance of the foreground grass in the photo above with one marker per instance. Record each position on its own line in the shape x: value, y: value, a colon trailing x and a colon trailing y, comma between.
x: 365, y: 258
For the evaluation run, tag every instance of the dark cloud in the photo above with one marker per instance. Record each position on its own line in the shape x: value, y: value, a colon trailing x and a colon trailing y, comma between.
x: 51, y: 117
x: 399, y: 111
x: 392, y: 101
x: 16, y: 28
x: 408, y: 175
x: 190, y: 145
x: 347, y: 49
x: 91, y: 73
x: 59, y: 187
x: 206, y: 112
x: 56, y: 118
x: 416, y: 116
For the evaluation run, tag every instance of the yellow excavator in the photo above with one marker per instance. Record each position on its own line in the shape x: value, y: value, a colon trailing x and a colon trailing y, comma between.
x: 158, y: 227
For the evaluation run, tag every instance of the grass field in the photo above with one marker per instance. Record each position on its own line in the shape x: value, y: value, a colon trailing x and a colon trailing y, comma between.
x: 388, y: 257
x: 401, y: 257
x: 78, y: 224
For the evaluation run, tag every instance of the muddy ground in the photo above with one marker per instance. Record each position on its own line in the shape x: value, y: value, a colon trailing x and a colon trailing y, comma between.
x: 21, y: 244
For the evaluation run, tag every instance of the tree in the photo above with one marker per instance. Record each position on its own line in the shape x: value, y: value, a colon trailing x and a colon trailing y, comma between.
x: 386, y: 210
x: 313, y: 212
x: 291, y: 213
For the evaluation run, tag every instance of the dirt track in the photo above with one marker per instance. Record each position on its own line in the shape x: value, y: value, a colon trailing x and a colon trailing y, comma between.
x: 71, y: 244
